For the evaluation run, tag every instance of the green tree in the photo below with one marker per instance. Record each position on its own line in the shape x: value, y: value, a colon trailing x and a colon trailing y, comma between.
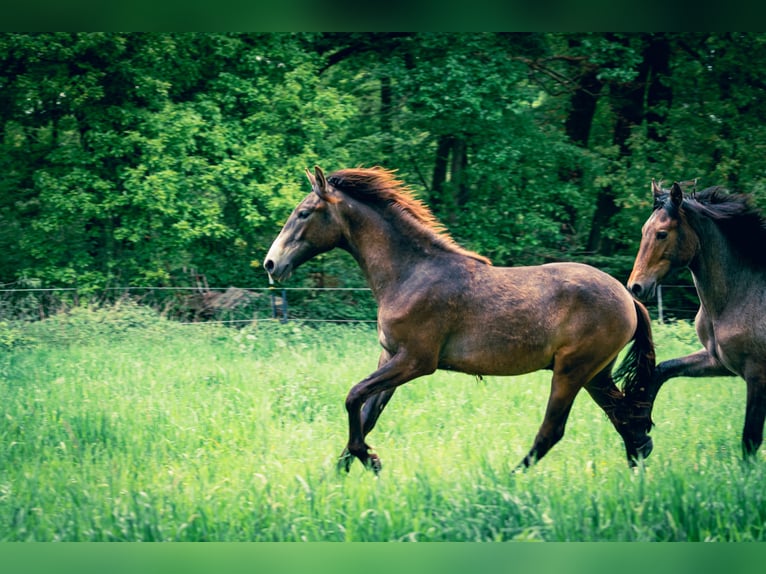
x: 139, y: 158
x: 153, y: 158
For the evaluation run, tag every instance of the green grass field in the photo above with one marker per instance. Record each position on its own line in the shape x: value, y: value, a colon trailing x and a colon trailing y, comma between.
x: 118, y: 425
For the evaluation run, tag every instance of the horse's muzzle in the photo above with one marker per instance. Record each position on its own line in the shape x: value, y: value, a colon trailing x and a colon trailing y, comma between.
x: 276, y: 271
x: 642, y: 291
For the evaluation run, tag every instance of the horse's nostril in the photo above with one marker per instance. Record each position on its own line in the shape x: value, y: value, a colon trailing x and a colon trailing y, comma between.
x: 636, y: 289
x: 269, y: 265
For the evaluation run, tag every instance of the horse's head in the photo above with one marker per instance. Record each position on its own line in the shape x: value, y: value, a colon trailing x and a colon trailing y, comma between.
x: 667, y: 242
x: 310, y: 230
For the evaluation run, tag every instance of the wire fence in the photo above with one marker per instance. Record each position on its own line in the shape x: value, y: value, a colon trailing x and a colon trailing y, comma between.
x: 191, y: 305
x: 238, y: 306
x: 673, y: 302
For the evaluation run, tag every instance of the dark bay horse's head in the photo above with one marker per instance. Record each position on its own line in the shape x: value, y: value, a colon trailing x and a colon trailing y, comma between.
x: 667, y: 242
x: 310, y: 230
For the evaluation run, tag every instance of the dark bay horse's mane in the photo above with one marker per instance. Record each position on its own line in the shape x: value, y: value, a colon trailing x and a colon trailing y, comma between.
x: 739, y: 220
x: 379, y: 186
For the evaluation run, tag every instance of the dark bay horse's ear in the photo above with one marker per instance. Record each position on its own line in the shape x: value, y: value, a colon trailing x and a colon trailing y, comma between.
x: 656, y: 188
x: 319, y: 185
x: 676, y: 194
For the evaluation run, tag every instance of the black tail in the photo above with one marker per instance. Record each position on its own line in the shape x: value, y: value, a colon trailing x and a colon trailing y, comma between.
x: 636, y: 372
x: 637, y: 368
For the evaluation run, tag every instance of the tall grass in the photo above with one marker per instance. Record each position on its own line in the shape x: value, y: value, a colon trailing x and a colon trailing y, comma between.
x: 118, y: 425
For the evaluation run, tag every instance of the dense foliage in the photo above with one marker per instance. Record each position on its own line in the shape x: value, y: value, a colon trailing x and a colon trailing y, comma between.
x: 153, y: 159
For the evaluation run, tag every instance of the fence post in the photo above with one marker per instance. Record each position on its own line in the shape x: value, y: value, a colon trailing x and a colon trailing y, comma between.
x: 273, y: 302
x: 284, y: 306
x: 659, y: 304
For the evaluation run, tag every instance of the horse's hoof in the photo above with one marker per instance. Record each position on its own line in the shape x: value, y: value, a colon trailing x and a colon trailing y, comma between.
x: 641, y: 452
x: 344, y: 461
x: 374, y: 464
x: 646, y: 449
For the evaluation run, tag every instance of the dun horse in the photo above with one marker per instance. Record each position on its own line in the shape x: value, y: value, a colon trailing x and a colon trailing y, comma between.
x: 443, y: 307
x: 720, y: 237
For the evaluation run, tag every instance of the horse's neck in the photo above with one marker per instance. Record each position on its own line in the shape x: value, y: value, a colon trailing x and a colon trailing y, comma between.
x: 386, y: 251
x: 715, y: 268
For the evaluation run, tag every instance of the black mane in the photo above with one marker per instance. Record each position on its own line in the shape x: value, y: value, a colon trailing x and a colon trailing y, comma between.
x: 743, y: 225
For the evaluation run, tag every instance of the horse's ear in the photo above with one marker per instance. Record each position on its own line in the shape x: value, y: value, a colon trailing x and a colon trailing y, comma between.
x: 312, y: 181
x: 656, y: 188
x: 676, y: 194
x: 319, y: 185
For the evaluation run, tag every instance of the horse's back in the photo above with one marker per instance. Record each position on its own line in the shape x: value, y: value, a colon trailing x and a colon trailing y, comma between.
x: 582, y: 288
x: 516, y: 319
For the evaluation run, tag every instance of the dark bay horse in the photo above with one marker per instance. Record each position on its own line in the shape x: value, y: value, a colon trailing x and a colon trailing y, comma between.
x: 721, y: 238
x: 443, y: 307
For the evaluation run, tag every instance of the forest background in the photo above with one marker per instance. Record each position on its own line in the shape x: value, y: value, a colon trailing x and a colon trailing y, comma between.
x: 154, y: 159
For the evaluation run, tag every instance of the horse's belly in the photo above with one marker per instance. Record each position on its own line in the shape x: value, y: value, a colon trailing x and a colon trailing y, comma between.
x: 511, y: 358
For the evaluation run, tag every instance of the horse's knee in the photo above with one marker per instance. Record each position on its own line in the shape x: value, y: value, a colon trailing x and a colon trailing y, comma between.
x: 353, y: 400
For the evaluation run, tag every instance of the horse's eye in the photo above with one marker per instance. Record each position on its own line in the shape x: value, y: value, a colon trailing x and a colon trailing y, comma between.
x: 661, y: 235
x: 304, y: 213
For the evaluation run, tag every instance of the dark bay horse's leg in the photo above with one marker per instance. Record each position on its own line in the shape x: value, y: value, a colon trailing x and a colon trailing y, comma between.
x: 638, y: 444
x: 401, y: 368
x: 755, y: 410
x: 699, y: 364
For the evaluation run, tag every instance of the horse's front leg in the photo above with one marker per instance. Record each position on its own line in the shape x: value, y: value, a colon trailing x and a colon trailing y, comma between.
x: 755, y: 411
x: 639, y: 404
x: 371, y: 411
x: 699, y: 364
x: 376, y: 403
x: 397, y: 371
x: 370, y: 414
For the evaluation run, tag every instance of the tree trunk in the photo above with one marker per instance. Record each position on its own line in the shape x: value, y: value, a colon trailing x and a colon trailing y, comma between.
x: 457, y: 173
x: 439, y: 179
x: 449, y: 190
x: 386, y: 111
x: 647, y: 98
x: 583, y: 107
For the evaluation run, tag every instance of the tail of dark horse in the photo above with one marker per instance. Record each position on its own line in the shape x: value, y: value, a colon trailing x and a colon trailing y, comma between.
x: 636, y: 373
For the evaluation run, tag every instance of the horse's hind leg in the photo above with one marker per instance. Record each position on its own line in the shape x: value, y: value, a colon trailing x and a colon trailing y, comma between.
x: 638, y: 444
x: 563, y: 393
